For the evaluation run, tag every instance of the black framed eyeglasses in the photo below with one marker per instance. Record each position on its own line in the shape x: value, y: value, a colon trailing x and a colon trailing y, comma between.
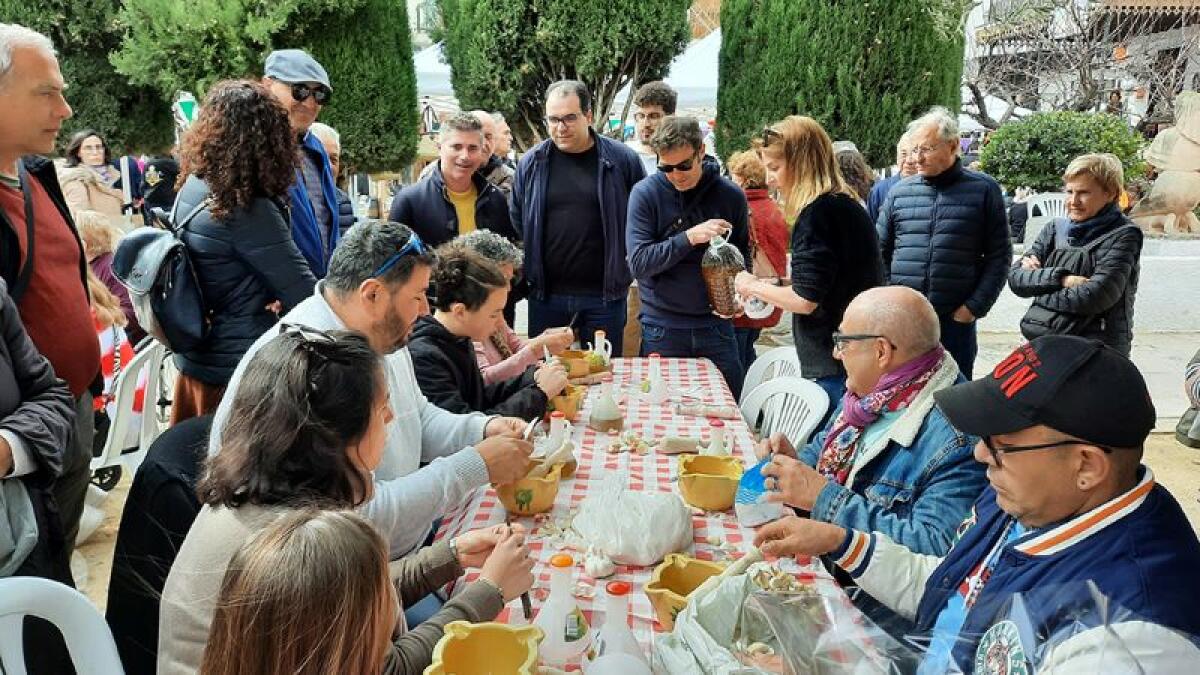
x: 840, y: 339
x: 320, y: 93
x: 685, y: 165
x: 997, y: 451
x: 568, y: 119
x: 413, y: 246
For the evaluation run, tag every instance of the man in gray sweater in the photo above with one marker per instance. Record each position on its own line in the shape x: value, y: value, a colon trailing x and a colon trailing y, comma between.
x: 376, y: 285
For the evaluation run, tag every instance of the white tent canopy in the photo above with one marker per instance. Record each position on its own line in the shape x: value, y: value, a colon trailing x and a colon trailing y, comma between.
x: 693, y: 74
x: 995, y: 109
x: 433, y: 74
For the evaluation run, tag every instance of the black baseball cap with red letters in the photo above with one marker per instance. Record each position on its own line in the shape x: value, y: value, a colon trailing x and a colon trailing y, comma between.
x: 1078, y: 386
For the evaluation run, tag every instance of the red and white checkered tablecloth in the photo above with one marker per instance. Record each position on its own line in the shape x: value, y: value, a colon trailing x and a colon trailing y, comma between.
x: 650, y: 472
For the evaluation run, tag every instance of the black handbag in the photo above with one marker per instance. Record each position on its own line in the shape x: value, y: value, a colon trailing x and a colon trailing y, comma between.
x: 154, y: 264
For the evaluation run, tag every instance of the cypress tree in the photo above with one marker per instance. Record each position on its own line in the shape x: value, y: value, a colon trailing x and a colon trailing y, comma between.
x: 862, y: 69
x: 503, y: 54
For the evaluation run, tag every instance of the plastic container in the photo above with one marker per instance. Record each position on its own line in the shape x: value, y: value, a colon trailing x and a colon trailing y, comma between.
x: 614, y: 639
x: 476, y: 649
x: 720, y: 265
x: 602, y: 351
x: 606, y: 415
x: 716, y: 439
x: 751, y: 500
x: 567, y: 635
x: 558, y: 431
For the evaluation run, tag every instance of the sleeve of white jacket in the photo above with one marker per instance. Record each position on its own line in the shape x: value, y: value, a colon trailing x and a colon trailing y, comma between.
x: 889, y: 572
x: 1125, y: 647
x: 443, y: 433
x: 403, y: 509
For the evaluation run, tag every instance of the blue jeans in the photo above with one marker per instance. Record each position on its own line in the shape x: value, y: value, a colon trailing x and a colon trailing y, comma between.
x: 835, y: 386
x: 583, y: 313
x: 960, y: 340
x: 715, y: 343
x: 746, y: 337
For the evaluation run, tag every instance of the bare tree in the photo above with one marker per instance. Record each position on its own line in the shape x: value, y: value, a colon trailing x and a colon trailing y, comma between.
x: 1073, y: 54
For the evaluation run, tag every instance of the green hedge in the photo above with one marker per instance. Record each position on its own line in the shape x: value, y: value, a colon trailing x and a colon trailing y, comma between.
x: 1034, y: 152
x: 862, y: 69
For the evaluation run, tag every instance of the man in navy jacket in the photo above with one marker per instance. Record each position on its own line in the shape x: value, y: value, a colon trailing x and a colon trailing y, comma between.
x: 569, y: 202
x: 1070, y: 513
x: 302, y: 86
x: 673, y: 215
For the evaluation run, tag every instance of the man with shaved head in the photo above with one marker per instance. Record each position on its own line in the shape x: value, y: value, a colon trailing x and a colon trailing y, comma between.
x: 888, y: 460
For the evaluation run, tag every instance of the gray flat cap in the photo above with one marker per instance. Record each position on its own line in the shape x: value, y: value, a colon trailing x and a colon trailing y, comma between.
x: 294, y: 66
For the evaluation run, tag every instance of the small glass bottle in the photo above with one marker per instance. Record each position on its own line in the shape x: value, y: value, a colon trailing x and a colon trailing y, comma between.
x: 716, y: 439
x: 606, y: 415
x: 567, y: 633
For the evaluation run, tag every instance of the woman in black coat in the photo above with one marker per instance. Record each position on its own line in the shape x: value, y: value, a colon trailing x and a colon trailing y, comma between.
x: 37, y: 415
x: 835, y: 249
x: 1082, y: 271
x: 240, y: 159
x: 468, y: 296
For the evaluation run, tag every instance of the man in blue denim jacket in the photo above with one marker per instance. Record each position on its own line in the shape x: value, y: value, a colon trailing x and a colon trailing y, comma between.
x: 888, y: 461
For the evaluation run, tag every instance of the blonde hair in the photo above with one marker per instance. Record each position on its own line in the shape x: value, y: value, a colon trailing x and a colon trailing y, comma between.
x: 1104, y: 167
x: 747, y: 165
x: 105, y: 305
x: 99, y: 236
x: 807, y: 151
x: 310, y: 594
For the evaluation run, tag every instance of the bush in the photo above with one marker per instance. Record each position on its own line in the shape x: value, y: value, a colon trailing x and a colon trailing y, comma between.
x: 503, y: 54
x: 374, y: 105
x: 1034, y: 152
x: 862, y: 69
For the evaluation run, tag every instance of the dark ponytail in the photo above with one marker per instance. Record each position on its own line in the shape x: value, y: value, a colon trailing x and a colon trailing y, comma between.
x: 305, y: 397
x: 463, y: 276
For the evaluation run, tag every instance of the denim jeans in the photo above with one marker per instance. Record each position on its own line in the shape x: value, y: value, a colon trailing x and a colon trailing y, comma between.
x: 746, y: 337
x: 960, y: 340
x: 715, y: 343
x: 584, y: 313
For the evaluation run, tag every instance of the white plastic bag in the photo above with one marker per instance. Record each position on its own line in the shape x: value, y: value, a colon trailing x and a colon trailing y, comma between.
x: 633, y: 528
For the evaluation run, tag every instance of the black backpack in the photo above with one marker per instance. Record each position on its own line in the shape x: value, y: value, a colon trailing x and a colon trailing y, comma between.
x: 154, y: 264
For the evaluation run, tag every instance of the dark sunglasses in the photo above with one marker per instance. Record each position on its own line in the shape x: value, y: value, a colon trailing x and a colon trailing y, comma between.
x: 685, y: 165
x: 997, y: 451
x: 320, y: 93
x: 767, y: 134
x: 413, y: 246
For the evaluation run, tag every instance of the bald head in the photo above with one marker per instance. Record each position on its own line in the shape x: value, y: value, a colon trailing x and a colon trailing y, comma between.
x: 902, y: 315
x: 489, y: 130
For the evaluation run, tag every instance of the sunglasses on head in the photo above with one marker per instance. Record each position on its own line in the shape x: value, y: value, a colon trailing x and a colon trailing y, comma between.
x: 320, y: 93
x: 769, y: 135
x: 413, y: 246
x: 685, y: 165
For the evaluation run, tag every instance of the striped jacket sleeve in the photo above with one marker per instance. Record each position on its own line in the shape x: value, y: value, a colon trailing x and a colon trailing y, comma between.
x: 889, y: 572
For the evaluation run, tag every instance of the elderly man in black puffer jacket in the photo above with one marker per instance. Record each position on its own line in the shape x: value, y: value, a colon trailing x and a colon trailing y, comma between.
x: 943, y: 233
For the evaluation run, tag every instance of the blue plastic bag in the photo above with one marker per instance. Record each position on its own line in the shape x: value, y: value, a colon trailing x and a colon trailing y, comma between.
x: 750, y: 503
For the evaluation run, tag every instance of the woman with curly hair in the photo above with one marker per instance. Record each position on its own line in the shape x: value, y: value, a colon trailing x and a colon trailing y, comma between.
x: 237, y: 164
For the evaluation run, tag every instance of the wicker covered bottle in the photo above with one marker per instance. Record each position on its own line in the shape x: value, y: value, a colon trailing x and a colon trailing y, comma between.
x: 720, y: 265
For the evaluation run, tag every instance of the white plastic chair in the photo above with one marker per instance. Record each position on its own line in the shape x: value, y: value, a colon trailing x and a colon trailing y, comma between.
x: 778, y: 362
x: 799, y: 406
x: 1050, y: 205
x: 150, y: 360
x: 88, y: 638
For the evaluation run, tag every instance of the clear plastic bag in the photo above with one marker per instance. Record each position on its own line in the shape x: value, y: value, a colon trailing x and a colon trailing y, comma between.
x: 633, y: 528
x: 735, y: 627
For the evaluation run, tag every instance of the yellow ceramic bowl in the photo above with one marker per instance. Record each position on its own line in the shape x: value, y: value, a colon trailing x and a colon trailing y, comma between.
x: 568, y: 403
x: 484, y: 648
x: 673, y: 581
x: 530, y: 496
x: 575, y: 362
x: 709, y: 482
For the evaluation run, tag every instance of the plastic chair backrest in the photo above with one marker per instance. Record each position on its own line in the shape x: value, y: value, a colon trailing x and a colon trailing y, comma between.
x: 799, y: 406
x: 778, y: 362
x: 88, y: 640
x: 125, y: 390
x: 1050, y: 205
